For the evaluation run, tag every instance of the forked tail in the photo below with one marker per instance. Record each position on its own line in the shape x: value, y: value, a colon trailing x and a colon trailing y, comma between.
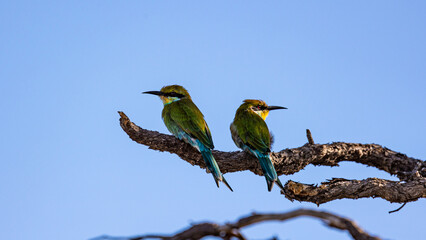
x: 213, y: 167
x: 269, y: 171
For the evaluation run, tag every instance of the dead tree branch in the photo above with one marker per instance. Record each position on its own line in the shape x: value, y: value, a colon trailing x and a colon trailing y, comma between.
x: 339, y: 188
x: 233, y: 230
x: 290, y: 161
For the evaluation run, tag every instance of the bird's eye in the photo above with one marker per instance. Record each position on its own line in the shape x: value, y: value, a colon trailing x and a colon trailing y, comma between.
x: 258, y: 107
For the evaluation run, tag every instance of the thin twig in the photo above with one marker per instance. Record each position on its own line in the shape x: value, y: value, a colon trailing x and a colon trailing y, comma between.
x: 396, y: 210
x: 309, y: 136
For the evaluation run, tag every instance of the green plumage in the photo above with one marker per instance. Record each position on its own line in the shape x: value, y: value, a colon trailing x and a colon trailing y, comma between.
x: 250, y: 133
x: 185, y: 115
x: 252, y: 130
x: 183, y: 118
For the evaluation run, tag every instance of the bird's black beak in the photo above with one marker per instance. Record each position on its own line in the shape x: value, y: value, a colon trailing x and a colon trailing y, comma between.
x: 275, y: 108
x: 158, y: 93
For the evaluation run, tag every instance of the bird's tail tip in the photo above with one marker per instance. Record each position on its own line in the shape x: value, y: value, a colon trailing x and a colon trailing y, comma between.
x: 216, y: 181
x: 214, y: 168
x: 280, y: 184
x: 270, y: 184
x: 226, y: 183
x: 221, y: 179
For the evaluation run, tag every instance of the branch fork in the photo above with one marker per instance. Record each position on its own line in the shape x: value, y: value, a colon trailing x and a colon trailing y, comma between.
x: 410, y: 171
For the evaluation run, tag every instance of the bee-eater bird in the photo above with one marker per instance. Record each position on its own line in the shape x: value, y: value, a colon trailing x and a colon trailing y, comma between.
x: 251, y: 134
x: 186, y: 122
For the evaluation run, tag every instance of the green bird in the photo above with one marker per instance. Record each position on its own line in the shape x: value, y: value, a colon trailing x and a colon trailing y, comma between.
x: 186, y: 122
x: 251, y: 134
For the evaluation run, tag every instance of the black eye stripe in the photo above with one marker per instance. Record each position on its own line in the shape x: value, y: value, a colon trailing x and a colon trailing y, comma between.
x: 175, y: 94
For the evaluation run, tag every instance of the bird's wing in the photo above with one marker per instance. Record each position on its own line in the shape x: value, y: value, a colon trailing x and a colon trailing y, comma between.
x: 253, y: 131
x: 190, y: 119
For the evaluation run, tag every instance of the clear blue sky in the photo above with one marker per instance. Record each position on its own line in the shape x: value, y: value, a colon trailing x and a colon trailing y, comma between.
x: 351, y: 72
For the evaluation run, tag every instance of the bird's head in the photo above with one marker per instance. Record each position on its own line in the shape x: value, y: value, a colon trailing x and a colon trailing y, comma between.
x: 259, y: 107
x: 172, y: 93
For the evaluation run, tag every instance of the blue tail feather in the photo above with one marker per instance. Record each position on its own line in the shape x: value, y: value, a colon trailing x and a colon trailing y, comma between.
x: 212, y: 166
x: 268, y: 170
x: 207, y: 156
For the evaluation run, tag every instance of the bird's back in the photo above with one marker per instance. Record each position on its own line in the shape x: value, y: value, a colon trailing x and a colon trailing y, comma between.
x: 183, y: 116
x: 251, y: 130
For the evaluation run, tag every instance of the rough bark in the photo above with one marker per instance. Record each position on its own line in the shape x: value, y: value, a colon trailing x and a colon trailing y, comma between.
x: 339, y: 188
x: 233, y: 230
x: 290, y: 161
